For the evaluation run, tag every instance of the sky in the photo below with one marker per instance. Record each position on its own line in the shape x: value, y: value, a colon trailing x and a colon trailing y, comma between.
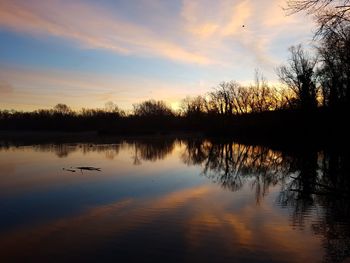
x: 85, y: 53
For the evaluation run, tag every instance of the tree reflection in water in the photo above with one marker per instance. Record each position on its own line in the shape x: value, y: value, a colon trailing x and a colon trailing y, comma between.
x: 309, y: 180
x: 232, y: 165
x: 151, y: 149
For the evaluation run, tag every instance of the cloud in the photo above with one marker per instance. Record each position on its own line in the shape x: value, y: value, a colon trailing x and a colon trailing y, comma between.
x: 242, y: 30
x: 221, y: 20
x: 92, y: 27
x: 200, y: 32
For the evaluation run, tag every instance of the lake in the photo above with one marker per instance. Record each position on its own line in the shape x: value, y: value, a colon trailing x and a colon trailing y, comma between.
x: 172, y: 200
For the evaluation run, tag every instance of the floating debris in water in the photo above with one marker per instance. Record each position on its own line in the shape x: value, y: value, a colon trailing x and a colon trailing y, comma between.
x: 68, y: 170
x: 82, y: 168
x: 88, y: 168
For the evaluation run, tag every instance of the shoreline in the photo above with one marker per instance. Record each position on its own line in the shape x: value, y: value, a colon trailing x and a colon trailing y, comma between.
x: 24, y: 138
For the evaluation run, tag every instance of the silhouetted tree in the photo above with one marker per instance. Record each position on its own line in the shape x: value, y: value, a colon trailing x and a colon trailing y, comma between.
x: 62, y: 109
x: 111, y: 107
x: 299, y: 76
x: 221, y: 98
x: 335, y: 69
x: 333, y: 20
x: 329, y: 14
x: 152, y: 108
x: 194, y: 107
x: 263, y: 97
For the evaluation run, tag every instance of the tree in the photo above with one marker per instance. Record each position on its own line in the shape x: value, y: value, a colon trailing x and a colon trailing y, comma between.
x: 62, y: 109
x: 299, y: 77
x: 232, y: 98
x: 333, y: 19
x: 111, y: 107
x: 335, y: 70
x: 329, y: 14
x: 262, y: 96
x: 152, y: 108
x: 221, y: 98
x: 194, y: 107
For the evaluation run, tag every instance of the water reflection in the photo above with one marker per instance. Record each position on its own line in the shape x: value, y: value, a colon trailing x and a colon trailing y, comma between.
x: 152, y: 150
x: 144, y: 149
x: 232, y: 165
x: 309, y: 180
x: 323, y: 181
x: 311, y: 187
x: 64, y: 150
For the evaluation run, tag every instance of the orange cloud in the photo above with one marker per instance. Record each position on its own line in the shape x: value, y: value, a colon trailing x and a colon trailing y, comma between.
x: 92, y: 27
x: 198, y: 34
x: 239, y: 17
x: 219, y: 28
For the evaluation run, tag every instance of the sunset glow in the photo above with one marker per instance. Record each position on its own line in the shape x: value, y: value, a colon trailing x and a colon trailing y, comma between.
x: 85, y: 53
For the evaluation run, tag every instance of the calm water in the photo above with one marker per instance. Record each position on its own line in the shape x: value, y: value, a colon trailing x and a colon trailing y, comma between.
x: 172, y: 200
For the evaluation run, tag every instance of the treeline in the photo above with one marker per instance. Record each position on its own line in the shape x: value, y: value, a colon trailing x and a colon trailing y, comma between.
x: 227, y: 99
x: 232, y: 98
x: 225, y: 102
x: 258, y: 111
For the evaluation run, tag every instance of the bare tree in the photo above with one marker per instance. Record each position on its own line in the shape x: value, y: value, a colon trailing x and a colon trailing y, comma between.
x: 194, y: 106
x: 152, y: 108
x: 111, y: 107
x: 62, y: 109
x: 335, y: 71
x: 299, y: 76
x: 221, y: 97
x: 329, y: 14
x: 333, y: 19
x: 262, y: 96
x: 232, y: 98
